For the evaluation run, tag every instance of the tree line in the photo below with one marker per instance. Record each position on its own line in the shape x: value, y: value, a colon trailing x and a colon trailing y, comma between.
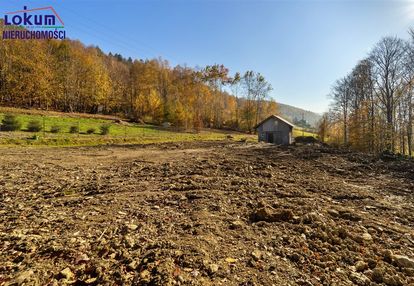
x: 71, y: 77
x: 372, y: 106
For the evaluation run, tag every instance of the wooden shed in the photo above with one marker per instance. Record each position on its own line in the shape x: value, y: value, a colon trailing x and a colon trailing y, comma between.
x: 276, y: 130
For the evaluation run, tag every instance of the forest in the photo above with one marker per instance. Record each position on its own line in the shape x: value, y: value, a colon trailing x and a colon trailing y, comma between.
x: 71, y: 77
x: 372, y: 106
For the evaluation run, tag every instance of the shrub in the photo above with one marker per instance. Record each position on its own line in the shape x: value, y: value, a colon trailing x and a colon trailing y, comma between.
x: 74, y: 129
x: 90, y: 131
x: 306, y: 139
x: 34, y: 126
x: 55, y: 129
x: 10, y: 122
x: 105, y: 129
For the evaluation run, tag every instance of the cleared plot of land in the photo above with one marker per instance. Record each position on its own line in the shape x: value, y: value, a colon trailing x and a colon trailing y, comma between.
x: 204, y: 213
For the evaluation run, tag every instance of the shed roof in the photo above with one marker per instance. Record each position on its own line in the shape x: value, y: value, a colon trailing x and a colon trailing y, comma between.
x: 275, y: 117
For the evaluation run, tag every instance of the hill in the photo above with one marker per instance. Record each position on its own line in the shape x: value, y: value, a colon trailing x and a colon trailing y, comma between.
x: 291, y: 112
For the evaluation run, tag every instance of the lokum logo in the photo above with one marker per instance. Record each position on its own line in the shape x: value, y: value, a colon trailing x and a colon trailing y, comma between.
x: 37, y: 23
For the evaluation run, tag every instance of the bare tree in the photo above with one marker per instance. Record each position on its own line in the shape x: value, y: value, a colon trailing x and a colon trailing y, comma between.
x: 256, y: 90
x: 261, y: 92
x: 341, y: 94
x: 235, y: 83
x: 408, y: 92
x: 248, y: 89
x: 387, y: 58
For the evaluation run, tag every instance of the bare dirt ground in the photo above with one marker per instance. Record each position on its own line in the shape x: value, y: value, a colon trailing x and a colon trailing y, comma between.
x: 204, y: 213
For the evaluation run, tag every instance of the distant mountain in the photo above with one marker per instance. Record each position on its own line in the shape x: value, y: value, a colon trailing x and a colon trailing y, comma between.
x: 294, y: 114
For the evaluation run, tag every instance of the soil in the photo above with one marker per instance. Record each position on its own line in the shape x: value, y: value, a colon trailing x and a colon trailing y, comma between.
x: 205, y: 213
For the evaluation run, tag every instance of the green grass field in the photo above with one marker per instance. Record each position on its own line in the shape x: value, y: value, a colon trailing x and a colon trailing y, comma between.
x: 299, y: 132
x: 120, y: 133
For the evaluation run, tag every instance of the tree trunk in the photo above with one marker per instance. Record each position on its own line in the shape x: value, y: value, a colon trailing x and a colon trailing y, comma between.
x: 410, y: 125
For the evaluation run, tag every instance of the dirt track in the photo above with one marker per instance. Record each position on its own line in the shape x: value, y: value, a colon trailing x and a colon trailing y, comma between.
x: 207, y: 213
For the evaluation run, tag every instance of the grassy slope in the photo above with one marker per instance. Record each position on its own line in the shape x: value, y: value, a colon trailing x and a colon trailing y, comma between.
x: 299, y: 132
x: 119, y: 133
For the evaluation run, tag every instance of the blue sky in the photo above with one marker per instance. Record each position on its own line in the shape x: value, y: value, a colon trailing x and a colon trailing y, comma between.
x: 301, y: 47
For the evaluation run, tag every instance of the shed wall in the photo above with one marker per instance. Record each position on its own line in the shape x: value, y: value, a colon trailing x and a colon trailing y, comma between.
x: 279, y: 131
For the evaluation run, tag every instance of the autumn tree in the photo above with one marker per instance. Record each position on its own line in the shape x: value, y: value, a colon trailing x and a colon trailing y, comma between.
x: 374, y: 102
x: 71, y: 77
